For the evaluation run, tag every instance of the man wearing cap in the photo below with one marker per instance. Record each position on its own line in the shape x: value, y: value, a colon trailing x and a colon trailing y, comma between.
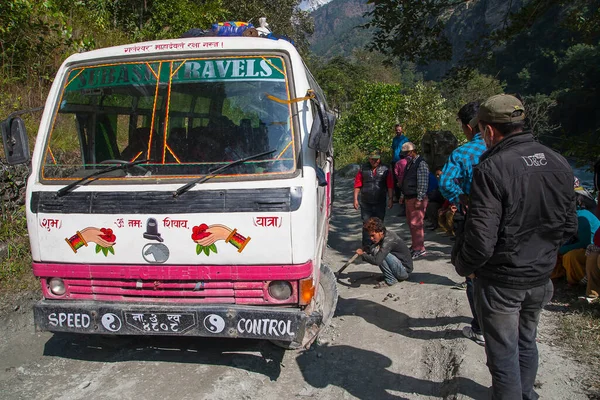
x: 374, y: 183
x: 414, y: 189
x: 521, y: 209
x: 455, y: 185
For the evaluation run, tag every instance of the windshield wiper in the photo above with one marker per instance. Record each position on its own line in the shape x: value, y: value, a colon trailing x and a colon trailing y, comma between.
x: 191, y: 184
x: 72, y: 185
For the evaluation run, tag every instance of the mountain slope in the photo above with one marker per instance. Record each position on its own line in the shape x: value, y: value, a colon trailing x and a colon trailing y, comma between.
x: 311, y: 5
x: 337, y: 28
x: 338, y: 32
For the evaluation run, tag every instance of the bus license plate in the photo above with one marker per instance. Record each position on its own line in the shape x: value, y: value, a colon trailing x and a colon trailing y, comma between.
x: 172, y: 323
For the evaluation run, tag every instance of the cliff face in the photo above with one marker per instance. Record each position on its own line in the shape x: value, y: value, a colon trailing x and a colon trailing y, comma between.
x: 337, y: 32
x: 311, y: 5
x: 337, y: 28
x: 470, y: 22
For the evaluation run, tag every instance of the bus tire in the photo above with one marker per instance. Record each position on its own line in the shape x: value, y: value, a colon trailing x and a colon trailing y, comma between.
x: 324, y: 302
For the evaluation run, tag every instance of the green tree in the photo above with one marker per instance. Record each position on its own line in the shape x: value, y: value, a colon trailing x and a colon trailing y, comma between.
x: 577, y: 101
x: 149, y: 19
x: 423, y: 109
x: 340, y: 78
x: 463, y: 85
x: 412, y: 30
x: 378, y: 107
x: 369, y: 122
x: 538, y: 109
x: 415, y: 30
x: 283, y: 16
x: 170, y: 18
x: 30, y: 32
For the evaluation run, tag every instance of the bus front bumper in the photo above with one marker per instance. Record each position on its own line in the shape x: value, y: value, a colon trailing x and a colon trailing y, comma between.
x: 88, y: 317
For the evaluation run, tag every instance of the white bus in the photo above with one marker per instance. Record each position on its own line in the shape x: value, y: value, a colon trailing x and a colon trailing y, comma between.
x: 182, y: 187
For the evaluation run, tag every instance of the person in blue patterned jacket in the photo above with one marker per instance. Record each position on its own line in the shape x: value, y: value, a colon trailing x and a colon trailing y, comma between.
x: 457, y: 174
x: 455, y: 185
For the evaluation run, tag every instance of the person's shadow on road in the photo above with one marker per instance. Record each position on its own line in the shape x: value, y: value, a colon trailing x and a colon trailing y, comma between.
x: 182, y: 349
x: 398, y: 322
x: 365, y: 375
x: 356, y: 279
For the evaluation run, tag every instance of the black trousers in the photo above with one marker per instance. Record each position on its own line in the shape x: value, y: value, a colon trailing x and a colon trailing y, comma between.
x: 509, y: 319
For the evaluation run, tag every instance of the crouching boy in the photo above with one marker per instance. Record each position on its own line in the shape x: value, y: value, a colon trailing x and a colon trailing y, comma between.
x: 388, y: 252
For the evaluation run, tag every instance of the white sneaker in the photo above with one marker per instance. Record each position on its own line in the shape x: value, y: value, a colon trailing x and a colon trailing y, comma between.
x: 586, y: 300
x: 476, y: 337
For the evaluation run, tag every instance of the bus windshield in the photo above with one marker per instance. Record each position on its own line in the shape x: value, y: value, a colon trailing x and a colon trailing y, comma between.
x: 186, y: 116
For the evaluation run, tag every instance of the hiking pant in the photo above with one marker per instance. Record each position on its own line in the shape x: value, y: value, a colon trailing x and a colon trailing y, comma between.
x: 393, y: 270
x: 574, y: 264
x: 470, y: 296
x: 368, y: 210
x: 593, y: 274
x: 446, y: 221
x: 431, y: 213
x: 509, y: 319
x: 415, y: 217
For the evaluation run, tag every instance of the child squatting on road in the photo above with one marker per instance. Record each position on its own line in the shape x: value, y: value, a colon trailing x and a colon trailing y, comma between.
x: 388, y: 252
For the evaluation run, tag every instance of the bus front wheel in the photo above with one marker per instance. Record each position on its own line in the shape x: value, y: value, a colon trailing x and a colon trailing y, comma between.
x: 323, y: 304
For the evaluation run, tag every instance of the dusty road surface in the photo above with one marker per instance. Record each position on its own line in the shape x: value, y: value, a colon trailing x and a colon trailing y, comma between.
x: 403, y: 342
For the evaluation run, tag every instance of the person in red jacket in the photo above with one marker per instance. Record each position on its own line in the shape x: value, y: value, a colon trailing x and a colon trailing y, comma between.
x: 374, y: 182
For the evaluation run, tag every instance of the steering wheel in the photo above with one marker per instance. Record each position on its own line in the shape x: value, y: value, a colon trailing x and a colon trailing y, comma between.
x: 115, y: 161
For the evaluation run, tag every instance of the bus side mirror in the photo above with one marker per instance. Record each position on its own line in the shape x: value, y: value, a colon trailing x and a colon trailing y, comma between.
x: 16, y: 143
x: 321, y: 133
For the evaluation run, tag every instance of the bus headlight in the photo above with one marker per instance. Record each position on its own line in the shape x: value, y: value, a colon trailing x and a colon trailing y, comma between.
x: 280, y: 290
x: 57, y: 286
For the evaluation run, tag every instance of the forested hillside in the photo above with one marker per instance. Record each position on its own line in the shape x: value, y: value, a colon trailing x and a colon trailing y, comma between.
x: 338, y: 29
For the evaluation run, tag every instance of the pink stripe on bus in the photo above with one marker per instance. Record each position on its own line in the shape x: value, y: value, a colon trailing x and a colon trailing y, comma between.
x: 204, y: 273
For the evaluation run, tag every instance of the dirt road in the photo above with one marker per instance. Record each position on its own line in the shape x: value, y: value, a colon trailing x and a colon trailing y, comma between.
x: 399, y: 343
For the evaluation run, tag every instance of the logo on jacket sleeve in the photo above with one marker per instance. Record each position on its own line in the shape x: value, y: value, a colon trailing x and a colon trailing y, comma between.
x: 536, y: 160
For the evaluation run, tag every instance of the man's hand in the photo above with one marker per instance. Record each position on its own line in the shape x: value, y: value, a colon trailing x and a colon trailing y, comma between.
x: 463, y: 199
x: 472, y: 276
x: 356, y: 204
x: 360, y: 252
x: 390, y: 202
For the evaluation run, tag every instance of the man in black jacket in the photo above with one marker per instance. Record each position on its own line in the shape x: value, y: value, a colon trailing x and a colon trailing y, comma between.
x: 522, y: 208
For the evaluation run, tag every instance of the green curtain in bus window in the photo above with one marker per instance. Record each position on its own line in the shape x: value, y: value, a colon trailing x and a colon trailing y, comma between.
x: 105, y: 138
